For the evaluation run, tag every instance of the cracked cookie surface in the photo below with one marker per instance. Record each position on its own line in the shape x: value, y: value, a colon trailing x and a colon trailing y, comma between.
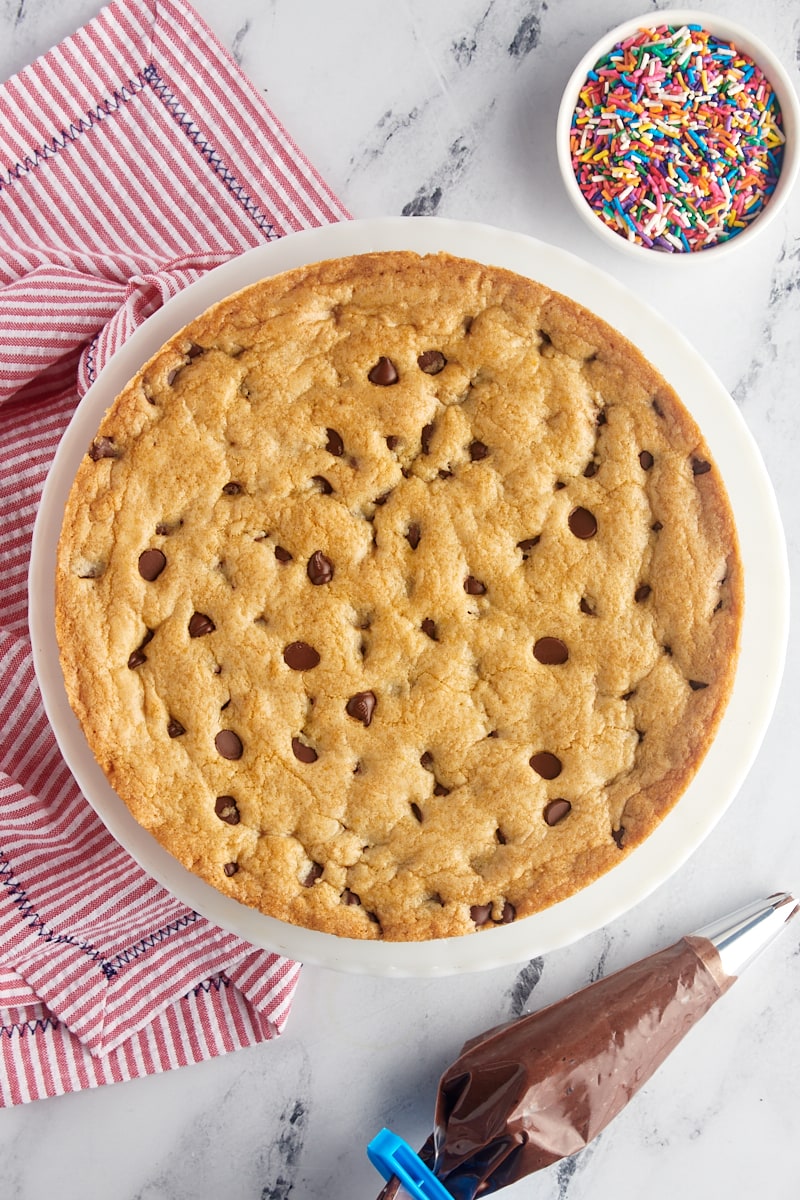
x: 398, y: 597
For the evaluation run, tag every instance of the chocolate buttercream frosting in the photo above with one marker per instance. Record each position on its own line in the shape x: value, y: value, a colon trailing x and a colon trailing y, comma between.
x: 525, y: 1094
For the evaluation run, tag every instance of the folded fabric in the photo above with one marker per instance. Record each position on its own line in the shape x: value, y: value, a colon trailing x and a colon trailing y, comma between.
x: 135, y: 157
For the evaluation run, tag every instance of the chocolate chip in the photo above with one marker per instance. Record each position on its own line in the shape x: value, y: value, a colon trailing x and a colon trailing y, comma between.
x: 602, y: 419
x: 381, y: 500
x: 431, y: 362
x: 230, y: 869
x: 302, y: 752
x: 319, y: 569
x: 349, y: 897
x: 656, y: 527
x: 556, y: 810
x: 429, y: 626
x: 232, y: 489
x: 426, y: 760
x: 392, y: 441
x: 322, y: 484
x: 627, y: 695
x: 642, y: 592
x: 384, y: 373
x: 425, y: 438
x: 443, y: 474
x: 509, y: 913
x: 226, y: 809
x: 696, y: 685
x: 282, y: 555
x: 151, y: 564
x: 480, y: 913
x: 175, y: 729
x: 334, y: 444
x: 551, y: 651
x: 478, y: 450
x: 361, y: 707
x: 200, y: 625
x: 619, y: 835
x: 104, y: 447
x: 700, y: 466
x: 527, y: 545
x: 417, y: 811
x: 559, y: 486
x: 313, y: 875
x: 546, y: 764
x: 582, y: 523
x: 412, y: 536
x: 591, y: 469
x: 138, y: 656
x: 474, y: 587
x: 646, y: 460
x: 586, y: 607
x: 229, y: 744
x: 300, y: 656
x: 440, y: 790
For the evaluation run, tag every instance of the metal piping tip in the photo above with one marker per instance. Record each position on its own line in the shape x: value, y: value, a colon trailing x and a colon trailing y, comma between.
x: 741, y: 935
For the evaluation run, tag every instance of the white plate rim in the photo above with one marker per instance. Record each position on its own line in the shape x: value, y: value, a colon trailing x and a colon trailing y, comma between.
x: 764, y: 632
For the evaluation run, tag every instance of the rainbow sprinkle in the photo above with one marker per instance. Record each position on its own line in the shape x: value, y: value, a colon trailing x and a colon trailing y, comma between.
x: 676, y: 139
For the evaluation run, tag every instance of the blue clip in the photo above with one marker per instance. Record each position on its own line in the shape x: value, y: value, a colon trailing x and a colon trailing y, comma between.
x: 392, y: 1156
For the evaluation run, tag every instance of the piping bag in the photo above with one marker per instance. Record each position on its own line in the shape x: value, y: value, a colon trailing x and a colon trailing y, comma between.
x: 525, y: 1094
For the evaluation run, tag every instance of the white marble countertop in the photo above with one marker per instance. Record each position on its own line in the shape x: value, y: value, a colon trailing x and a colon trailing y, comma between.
x: 449, y: 108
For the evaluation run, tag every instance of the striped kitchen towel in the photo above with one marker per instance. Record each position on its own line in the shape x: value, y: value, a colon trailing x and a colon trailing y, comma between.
x: 135, y: 156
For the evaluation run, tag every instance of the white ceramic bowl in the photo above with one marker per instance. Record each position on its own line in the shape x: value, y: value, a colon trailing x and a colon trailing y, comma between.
x: 747, y: 43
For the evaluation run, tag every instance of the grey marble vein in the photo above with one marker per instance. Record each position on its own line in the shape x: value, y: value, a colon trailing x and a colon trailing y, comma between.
x: 237, y: 45
x: 389, y: 125
x: 283, y: 1158
x: 598, y: 970
x: 571, y: 1172
x: 527, y: 35
x: 465, y: 45
x: 524, y: 986
x: 428, y: 198
x: 565, y: 1173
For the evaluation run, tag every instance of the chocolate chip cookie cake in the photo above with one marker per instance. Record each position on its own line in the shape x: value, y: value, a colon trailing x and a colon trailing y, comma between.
x: 398, y: 597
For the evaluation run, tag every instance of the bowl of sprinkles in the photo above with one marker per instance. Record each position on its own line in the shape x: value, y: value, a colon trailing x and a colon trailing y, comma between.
x: 677, y: 133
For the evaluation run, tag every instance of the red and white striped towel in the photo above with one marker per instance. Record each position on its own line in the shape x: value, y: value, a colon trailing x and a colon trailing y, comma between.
x: 135, y: 156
